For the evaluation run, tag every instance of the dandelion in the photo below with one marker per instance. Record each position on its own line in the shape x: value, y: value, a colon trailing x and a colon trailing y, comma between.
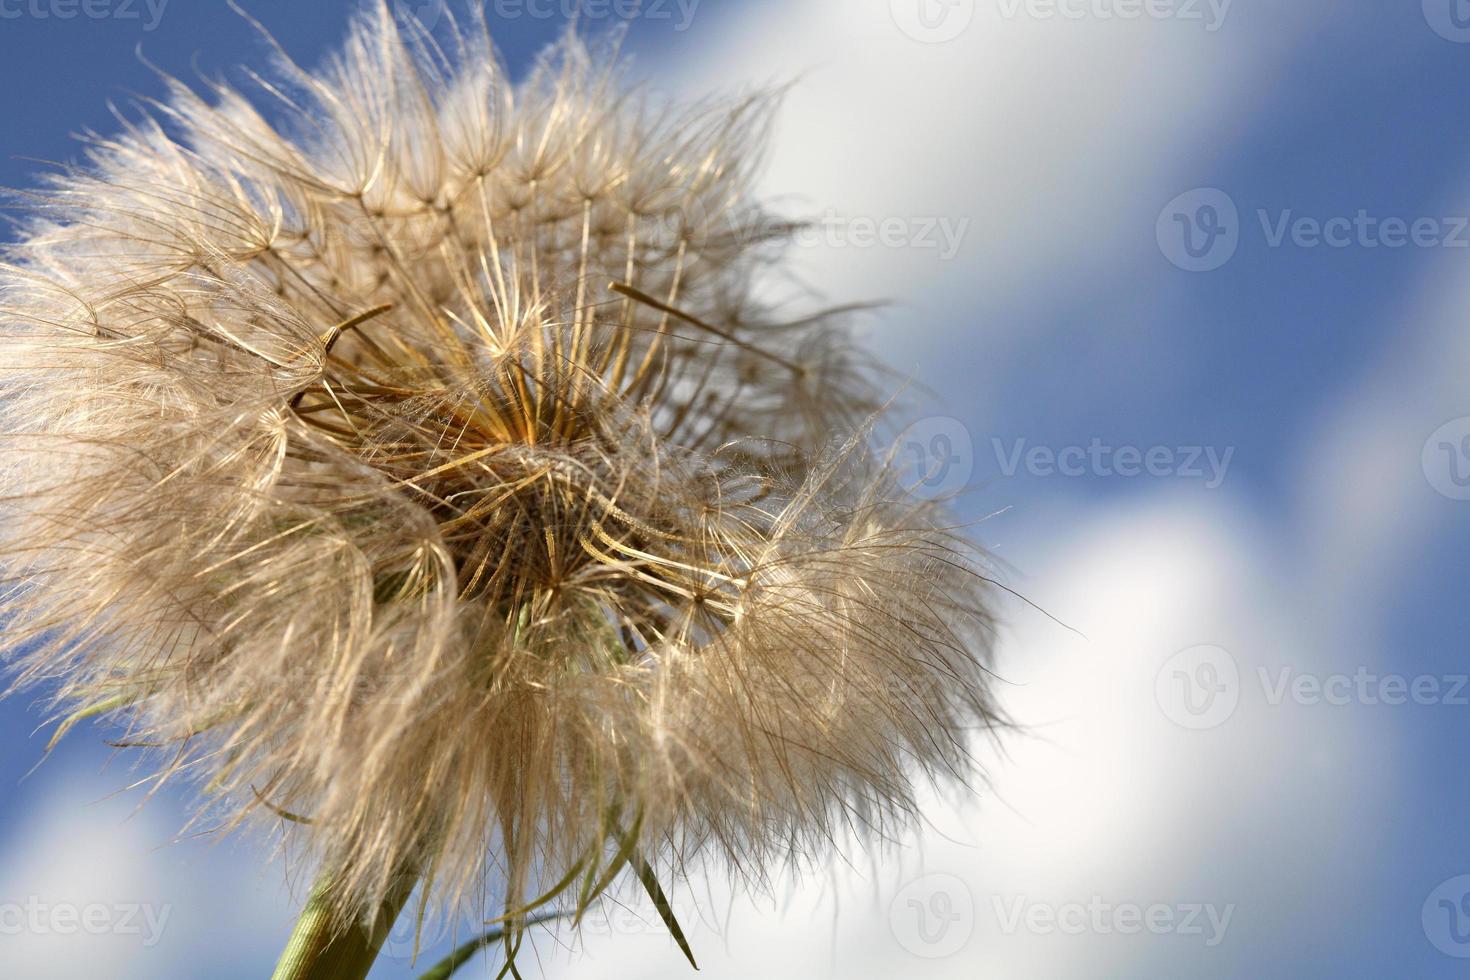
x: 414, y: 463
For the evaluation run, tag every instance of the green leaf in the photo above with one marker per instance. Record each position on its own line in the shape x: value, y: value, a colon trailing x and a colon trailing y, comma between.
x: 77, y: 717
x: 446, y: 967
x: 661, y: 902
x: 593, y: 887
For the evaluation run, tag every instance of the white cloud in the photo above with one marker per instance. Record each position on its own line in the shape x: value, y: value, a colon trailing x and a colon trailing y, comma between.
x: 1366, y: 501
x: 93, y: 887
x: 63, y: 861
x: 1055, y: 142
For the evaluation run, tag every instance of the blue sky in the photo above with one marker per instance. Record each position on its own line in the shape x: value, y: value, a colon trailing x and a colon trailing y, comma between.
x: 1327, y: 549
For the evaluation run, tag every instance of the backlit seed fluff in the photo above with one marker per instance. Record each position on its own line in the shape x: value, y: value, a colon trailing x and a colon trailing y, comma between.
x: 416, y: 462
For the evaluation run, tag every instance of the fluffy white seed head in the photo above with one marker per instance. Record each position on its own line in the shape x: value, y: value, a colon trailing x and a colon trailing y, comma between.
x: 410, y: 458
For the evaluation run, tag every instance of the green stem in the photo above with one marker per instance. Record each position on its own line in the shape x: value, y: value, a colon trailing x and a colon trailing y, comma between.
x: 322, y: 948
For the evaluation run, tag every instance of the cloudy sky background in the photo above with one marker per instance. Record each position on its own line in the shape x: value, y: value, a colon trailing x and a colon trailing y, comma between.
x: 1143, y: 828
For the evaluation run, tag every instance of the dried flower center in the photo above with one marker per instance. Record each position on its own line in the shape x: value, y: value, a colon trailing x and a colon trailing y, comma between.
x: 527, y: 467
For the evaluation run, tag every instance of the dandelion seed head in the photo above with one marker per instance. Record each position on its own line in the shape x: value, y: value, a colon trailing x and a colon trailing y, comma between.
x: 414, y: 454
